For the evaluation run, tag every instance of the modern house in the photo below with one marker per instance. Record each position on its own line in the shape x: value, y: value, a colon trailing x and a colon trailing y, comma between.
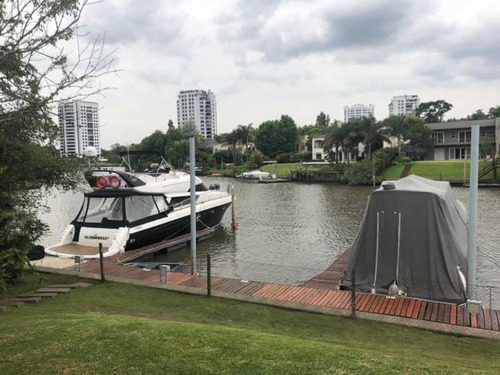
x: 452, y: 140
x: 403, y: 105
x: 199, y: 107
x: 78, y: 127
x: 318, y: 152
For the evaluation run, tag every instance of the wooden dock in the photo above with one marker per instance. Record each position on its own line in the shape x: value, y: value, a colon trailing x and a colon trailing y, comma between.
x: 330, y: 278
x: 319, y: 292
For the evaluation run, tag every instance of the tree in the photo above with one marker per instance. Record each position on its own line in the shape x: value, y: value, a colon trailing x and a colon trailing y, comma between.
x: 35, y: 71
x: 397, y: 126
x: 346, y: 137
x: 478, y: 115
x: 433, y: 111
x: 494, y: 112
x: 276, y: 136
x: 373, y: 133
x: 323, y: 120
x: 244, y: 132
x: 170, y: 125
x: 188, y: 129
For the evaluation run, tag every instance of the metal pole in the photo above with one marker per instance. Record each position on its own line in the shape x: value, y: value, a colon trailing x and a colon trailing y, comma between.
x: 209, y: 276
x: 101, y: 261
x: 399, y: 248
x: 234, y: 224
x: 376, y: 254
x: 473, y: 187
x: 192, y: 166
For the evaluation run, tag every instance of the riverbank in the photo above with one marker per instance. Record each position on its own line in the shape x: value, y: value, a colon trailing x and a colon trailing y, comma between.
x: 135, y: 329
x: 455, y: 171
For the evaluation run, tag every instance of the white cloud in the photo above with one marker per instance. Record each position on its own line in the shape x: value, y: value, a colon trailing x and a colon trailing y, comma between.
x: 264, y: 58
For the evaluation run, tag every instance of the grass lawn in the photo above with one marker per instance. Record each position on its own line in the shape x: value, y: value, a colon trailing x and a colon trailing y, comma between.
x: 449, y: 170
x: 281, y: 169
x: 125, y: 329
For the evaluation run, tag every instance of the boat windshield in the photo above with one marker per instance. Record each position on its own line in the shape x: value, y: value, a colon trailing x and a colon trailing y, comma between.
x: 106, y: 209
x: 102, y: 209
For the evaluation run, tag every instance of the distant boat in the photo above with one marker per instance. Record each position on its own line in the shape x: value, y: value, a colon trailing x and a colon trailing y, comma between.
x: 273, y: 180
x: 253, y: 175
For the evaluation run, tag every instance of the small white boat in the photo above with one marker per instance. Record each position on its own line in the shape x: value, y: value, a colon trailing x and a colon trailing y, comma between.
x: 253, y: 175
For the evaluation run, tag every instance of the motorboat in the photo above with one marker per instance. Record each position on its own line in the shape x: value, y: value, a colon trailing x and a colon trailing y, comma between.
x: 162, y: 173
x: 253, y: 175
x: 273, y: 179
x: 124, y: 212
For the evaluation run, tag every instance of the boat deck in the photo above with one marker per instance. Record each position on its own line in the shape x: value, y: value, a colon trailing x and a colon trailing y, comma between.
x: 77, y: 249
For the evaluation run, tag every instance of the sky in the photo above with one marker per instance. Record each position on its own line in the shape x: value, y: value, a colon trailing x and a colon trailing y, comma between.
x: 265, y: 58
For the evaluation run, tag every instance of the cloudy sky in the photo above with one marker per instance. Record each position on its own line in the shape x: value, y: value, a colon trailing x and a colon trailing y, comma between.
x: 264, y: 58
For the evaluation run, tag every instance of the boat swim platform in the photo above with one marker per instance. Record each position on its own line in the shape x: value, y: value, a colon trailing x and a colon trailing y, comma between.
x: 310, y: 297
x: 77, y: 249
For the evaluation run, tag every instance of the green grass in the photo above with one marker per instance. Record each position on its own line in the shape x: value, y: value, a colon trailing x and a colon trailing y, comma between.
x: 449, y: 170
x: 125, y: 329
x: 281, y: 169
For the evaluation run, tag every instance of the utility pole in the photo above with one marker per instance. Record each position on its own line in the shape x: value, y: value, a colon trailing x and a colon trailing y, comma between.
x: 192, y: 166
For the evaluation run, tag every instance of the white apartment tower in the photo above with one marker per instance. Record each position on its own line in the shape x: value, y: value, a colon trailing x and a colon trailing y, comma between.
x: 200, y: 107
x: 357, y: 111
x: 404, y: 105
x: 79, y: 127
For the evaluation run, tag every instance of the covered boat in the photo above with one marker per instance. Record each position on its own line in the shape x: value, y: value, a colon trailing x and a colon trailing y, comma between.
x: 412, y: 241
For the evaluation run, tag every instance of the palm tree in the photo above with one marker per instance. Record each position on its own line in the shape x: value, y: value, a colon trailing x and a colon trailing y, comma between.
x: 398, y: 127
x: 245, y: 131
x: 372, y: 133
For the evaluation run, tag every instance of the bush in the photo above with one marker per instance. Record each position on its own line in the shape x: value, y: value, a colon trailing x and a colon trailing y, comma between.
x: 360, y: 173
x: 12, y: 263
x: 284, y: 157
x: 256, y: 160
x: 404, y: 160
x: 383, y: 159
x: 414, y: 152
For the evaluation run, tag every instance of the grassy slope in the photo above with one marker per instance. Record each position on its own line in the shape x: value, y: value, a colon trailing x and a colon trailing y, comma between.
x: 116, y: 328
x: 437, y: 170
x: 282, y: 169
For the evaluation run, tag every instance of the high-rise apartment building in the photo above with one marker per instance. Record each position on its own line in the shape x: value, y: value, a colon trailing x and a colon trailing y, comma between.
x: 198, y: 106
x: 357, y: 111
x: 79, y: 127
x: 404, y: 105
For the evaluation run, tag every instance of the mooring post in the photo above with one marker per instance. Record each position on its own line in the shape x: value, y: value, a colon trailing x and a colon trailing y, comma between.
x: 353, y: 293
x: 101, y: 261
x: 209, y: 276
x: 234, y: 224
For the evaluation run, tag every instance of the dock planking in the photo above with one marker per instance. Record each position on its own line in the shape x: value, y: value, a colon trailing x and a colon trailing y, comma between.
x: 322, y: 290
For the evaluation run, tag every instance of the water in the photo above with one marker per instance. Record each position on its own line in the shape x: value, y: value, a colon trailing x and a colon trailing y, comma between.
x: 290, y: 232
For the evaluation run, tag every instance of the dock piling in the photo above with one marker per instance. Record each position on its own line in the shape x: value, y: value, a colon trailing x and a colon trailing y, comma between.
x: 101, y: 261
x: 209, y: 276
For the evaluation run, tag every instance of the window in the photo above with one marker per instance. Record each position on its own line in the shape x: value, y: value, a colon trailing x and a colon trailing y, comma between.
x: 318, y: 144
x: 318, y: 156
x: 101, y: 210
x: 139, y: 207
x: 438, y: 137
x: 464, y: 136
x: 453, y: 135
x: 457, y: 153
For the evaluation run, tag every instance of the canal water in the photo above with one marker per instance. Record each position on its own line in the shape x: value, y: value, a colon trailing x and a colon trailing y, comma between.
x: 291, y: 232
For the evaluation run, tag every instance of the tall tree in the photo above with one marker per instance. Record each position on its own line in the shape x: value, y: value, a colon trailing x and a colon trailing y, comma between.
x: 170, y: 125
x: 323, y: 120
x: 397, y: 126
x: 494, y: 112
x: 433, y: 111
x: 35, y: 71
x: 276, y: 136
x: 245, y: 132
x: 478, y: 115
x: 372, y: 133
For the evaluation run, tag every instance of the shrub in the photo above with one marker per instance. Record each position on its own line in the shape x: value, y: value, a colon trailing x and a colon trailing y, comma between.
x: 12, y: 263
x: 256, y: 160
x: 360, y: 173
x: 404, y: 160
x: 284, y: 157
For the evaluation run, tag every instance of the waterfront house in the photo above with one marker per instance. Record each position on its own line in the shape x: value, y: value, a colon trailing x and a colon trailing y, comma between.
x: 318, y: 153
x: 452, y: 140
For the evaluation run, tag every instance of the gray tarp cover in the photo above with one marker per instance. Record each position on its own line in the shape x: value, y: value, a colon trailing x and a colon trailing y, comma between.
x: 433, y: 241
